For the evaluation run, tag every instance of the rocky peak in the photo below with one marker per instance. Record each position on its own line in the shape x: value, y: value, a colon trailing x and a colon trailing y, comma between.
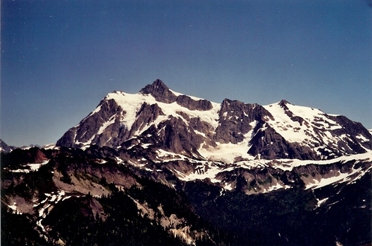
x: 228, y: 104
x: 159, y: 91
x: 237, y: 118
x: 283, y: 103
x: 234, y: 109
x: 162, y: 93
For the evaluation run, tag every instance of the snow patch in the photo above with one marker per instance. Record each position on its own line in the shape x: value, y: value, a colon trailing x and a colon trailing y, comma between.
x: 276, y: 187
x: 30, y: 167
x: 13, y: 207
x: 289, y: 164
x: 320, y: 202
x: 228, y: 152
x: 209, y: 171
x: 36, y: 166
x: 349, y: 177
x: 362, y: 138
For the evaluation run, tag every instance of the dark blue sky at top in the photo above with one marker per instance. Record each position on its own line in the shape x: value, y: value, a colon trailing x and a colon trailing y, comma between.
x: 60, y: 58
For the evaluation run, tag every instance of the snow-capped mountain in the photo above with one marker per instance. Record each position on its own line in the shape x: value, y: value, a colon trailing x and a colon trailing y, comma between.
x: 162, y: 168
x: 221, y: 143
x: 229, y: 131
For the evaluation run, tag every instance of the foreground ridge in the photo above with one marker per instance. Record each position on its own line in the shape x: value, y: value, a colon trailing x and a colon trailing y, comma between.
x: 181, y: 200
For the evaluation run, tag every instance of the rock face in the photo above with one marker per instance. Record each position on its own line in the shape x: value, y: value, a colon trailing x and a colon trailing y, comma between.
x: 86, y: 132
x: 191, y: 104
x: 198, y: 127
x: 236, y: 118
x: 263, y: 145
x: 178, y: 137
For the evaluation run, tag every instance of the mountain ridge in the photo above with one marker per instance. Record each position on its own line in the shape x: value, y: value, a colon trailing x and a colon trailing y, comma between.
x: 294, y: 131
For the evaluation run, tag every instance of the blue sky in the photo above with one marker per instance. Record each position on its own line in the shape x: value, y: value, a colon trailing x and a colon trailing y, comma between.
x: 60, y: 58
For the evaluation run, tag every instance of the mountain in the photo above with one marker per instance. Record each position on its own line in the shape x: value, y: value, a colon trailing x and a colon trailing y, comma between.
x: 4, y: 147
x: 162, y: 168
x: 167, y: 120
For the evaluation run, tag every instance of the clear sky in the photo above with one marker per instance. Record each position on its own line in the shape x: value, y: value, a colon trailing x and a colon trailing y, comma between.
x: 60, y: 58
